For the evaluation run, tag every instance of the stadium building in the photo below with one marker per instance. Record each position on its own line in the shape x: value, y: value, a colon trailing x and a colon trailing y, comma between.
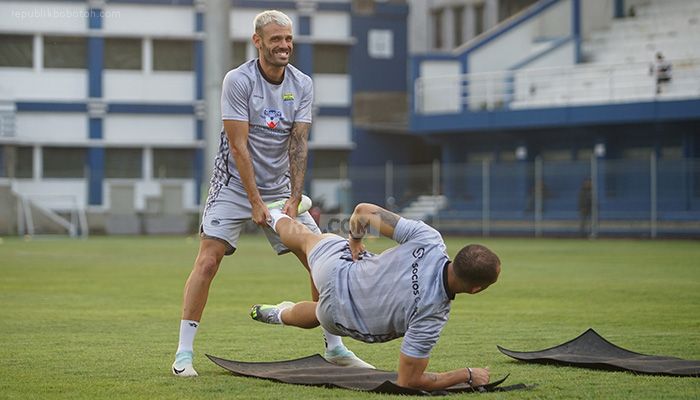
x: 480, y: 116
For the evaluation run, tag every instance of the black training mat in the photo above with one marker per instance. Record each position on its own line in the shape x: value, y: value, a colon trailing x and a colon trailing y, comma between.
x: 590, y: 350
x: 315, y: 371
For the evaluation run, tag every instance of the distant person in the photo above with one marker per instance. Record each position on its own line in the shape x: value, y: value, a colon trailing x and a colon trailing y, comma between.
x: 266, y: 107
x: 662, y: 69
x: 406, y: 291
x: 585, y: 202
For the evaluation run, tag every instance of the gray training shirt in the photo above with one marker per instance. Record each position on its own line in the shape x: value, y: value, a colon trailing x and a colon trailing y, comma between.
x: 400, y: 292
x: 270, y: 110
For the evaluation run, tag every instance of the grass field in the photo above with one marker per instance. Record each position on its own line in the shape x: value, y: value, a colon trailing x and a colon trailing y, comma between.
x: 99, y: 318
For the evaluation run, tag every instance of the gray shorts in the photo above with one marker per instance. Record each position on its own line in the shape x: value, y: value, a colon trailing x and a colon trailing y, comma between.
x: 324, y: 260
x: 224, y: 217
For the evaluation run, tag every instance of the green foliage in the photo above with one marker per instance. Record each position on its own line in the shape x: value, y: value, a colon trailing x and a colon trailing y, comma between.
x: 99, y: 318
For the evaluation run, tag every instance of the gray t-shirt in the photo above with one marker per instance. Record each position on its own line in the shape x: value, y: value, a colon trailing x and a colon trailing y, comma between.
x: 270, y: 110
x: 400, y: 292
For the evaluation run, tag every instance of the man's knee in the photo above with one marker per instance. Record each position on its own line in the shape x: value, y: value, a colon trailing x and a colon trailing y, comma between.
x: 208, y: 260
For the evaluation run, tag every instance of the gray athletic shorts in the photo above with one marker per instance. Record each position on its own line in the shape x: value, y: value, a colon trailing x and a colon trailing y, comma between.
x: 215, y: 225
x: 324, y: 260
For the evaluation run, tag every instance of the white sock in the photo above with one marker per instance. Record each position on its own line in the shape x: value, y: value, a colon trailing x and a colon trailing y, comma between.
x: 188, y: 329
x: 277, y: 215
x: 332, y: 341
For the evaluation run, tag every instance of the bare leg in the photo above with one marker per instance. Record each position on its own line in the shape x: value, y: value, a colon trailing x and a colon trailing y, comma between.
x: 197, y: 286
x: 302, y: 315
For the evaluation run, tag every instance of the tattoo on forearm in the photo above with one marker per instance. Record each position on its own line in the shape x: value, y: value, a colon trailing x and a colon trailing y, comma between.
x: 388, y: 217
x: 297, y: 155
x: 433, y: 377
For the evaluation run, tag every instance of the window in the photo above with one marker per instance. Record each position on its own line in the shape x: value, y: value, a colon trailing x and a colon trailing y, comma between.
x: 238, y: 53
x: 173, y: 163
x: 65, y: 52
x: 16, y: 51
x: 122, y: 53
x: 16, y: 162
x: 123, y: 163
x: 173, y: 55
x: 64, y: 162
x: 330, y: 59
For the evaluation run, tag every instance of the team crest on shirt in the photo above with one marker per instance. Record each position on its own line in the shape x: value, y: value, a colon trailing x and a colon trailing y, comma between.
x: 288, y: 97
x: 272, y: 117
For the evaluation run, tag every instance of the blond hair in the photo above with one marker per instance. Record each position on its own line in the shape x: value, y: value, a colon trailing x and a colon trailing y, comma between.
x: 269, y: 16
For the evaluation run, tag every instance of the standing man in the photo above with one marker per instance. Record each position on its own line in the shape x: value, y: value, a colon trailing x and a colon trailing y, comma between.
x: 266, y: 111
x: 406, y: 291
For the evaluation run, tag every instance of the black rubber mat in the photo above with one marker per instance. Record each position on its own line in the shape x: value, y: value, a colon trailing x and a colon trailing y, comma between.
x: 315, y: 371
x: 590, y: 350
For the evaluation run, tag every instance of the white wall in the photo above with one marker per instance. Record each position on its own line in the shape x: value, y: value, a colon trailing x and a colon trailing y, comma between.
x: 331, y: 132
x: 332, y: 90
x: 54, y: 193
x: 136, y: 86
x: 241, y: 21
x: 504, y: 52
x: 22, y: 84
x: 328, y: 190
x: 556, y: 21
x: 36, y: 16
x: 517, y: 44
x: 596, y: 15
x: 143, y: 190
x: 145, y: 20
x: 440, y: 95
x: 564, y: 55
x: 49, y: 128
x: 330, y: 25
x: 149, y: 129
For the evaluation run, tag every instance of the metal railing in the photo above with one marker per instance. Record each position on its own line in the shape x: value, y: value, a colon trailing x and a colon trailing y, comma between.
x: 553, y: 87
x: 649, y: 197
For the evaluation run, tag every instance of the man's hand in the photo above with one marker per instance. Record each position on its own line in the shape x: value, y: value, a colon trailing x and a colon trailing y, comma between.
x: 480, y: 376
x: 291, y: 207
x: 356, y: 248
x: 260, y: 213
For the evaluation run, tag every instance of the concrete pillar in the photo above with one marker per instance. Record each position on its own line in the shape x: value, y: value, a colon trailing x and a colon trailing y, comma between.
x: 419, y: 26
x: 217, y: 53
x: 448, y: 28
x: 490, y: 14
x: 468, y: 23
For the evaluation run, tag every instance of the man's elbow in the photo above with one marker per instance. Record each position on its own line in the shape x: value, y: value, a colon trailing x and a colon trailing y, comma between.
x: 238, y: 152
x: 364, y: 208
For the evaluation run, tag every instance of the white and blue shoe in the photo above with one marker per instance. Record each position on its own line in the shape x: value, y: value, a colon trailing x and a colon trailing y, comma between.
x: 341, y: 356
x: 183, y: 365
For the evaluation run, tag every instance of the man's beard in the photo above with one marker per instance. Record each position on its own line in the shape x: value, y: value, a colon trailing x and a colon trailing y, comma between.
x: 271, y: 58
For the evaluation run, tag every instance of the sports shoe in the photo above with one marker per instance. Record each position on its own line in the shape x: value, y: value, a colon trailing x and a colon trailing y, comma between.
x: 304, y: 205
x: 268, y: 313
x: 340, y: 355
x: 183, y: 364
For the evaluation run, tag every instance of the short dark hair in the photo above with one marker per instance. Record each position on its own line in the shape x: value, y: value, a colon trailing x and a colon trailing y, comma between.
x: 476, y: 265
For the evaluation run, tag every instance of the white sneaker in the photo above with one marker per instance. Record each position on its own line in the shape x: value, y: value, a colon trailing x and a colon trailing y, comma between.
x: 341, y: 356
x: 304, y: 205
x: 183, y: 365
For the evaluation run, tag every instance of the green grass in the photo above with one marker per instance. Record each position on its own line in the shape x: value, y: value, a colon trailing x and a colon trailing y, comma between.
x: 99, y: 318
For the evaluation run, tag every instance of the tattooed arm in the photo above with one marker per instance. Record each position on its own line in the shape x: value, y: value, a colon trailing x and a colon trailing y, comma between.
x: 369, y: 215
x: 297, y: 165
x: 412, y: 374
